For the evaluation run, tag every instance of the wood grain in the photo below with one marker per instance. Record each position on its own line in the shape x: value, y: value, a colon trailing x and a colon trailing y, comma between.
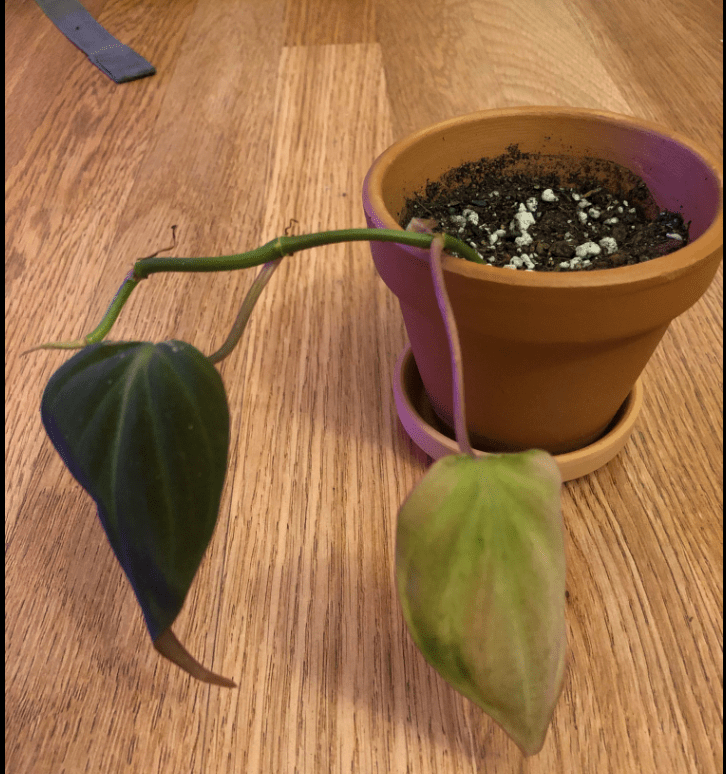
x: 261, y: 113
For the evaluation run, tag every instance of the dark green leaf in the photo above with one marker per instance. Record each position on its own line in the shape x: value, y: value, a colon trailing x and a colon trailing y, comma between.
x: 144, y: 428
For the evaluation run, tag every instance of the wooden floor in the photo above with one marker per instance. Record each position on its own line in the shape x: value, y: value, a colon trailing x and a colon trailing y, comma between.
x: 261, y: 112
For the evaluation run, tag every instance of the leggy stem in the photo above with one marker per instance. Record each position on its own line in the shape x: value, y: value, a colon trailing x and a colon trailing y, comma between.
x: 277, y: 248
x: 457, y: 370
x: 286, y: 245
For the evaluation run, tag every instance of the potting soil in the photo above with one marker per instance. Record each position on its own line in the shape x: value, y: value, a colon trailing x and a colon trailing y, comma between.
x: 536, y: 221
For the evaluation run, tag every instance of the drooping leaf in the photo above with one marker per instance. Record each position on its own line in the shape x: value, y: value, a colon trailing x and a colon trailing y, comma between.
x: 144, y: 428
x: 480, y: 570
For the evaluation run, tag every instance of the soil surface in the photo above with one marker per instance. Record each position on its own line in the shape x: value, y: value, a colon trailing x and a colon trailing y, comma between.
x: 588, y: 214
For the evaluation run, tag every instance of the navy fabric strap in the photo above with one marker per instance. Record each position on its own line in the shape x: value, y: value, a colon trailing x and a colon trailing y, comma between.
x: 118, y: 61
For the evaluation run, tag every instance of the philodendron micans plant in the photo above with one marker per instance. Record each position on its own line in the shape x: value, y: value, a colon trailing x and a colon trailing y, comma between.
x: 480, y: 563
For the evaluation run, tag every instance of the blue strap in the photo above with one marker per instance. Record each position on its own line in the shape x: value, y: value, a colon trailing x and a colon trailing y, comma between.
x: 118, y: 61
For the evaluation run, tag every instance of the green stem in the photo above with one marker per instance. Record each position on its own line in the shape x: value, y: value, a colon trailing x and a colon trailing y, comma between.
x: 287, y: 245
x: 277, y: 248
x: 114, y: 309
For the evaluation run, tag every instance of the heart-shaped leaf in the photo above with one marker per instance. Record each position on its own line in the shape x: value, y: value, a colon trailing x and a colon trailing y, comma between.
x: 480, y: 569
x: 144, y: 428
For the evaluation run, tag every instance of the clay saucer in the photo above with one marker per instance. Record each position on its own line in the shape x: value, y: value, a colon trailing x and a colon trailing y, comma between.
x: 434, y: 438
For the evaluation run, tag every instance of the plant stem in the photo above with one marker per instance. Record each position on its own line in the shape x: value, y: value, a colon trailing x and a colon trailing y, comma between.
x: 286, y: 245
x: 457, y: 370
x: 277, y: 248
x: 245, y: 311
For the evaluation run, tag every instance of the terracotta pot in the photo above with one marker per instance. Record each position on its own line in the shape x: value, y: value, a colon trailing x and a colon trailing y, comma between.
x: 549, y: 358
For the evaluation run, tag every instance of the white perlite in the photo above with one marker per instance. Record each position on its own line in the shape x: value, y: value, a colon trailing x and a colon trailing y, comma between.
x: 574, y: 263
x: 548, y: 195
x: 609, y: 245
x: 522, y: 220
x: 587, y: 249
x: 518, y: 261
x: 496, y: 235
x: 524, y: 240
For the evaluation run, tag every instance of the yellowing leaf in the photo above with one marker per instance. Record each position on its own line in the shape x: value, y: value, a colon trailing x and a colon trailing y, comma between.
x: 480, y: 574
